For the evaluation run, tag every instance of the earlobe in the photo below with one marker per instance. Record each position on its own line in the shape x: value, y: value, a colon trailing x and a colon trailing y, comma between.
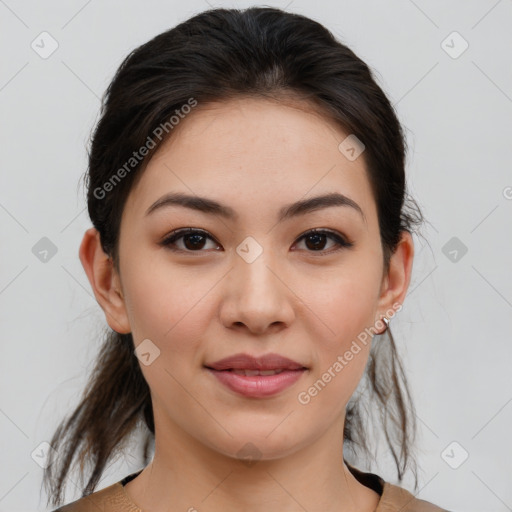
x: 104, y: 281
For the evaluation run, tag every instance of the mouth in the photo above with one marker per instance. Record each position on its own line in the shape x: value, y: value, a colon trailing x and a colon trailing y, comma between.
x: 257, y: 377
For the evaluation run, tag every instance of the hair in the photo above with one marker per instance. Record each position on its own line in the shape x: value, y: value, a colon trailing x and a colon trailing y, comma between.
x: 215, y: 56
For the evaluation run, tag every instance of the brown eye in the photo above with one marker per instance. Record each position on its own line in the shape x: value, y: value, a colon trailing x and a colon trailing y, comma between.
x: 315, y: 240
x: 193, y: 240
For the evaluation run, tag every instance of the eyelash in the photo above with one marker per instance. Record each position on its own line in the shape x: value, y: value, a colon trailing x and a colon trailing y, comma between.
x: 180, y: 233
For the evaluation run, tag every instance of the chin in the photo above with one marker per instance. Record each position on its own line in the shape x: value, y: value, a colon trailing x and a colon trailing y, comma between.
x: 250, y: 445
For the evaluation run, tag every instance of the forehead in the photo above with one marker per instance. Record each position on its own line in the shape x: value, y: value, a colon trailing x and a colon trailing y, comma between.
x: 254, y: 153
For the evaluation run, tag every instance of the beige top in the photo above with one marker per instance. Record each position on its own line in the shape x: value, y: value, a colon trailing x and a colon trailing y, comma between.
x: 392, y: 497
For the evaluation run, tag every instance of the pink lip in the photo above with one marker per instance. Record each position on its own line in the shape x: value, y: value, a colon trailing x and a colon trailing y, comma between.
x: 246, y: 362
x: 257, y: 386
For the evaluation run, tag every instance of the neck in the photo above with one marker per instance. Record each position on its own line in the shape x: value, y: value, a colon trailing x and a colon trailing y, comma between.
x: 185, y: 474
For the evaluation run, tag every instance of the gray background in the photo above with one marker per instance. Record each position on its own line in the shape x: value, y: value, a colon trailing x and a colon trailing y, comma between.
x: 454, y: 332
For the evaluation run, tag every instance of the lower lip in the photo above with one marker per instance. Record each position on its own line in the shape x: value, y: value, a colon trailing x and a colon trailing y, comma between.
x: 258, y: 386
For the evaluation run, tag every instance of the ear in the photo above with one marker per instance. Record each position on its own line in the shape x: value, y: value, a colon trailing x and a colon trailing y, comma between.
x: 396, y: 282
x: 105, y: 281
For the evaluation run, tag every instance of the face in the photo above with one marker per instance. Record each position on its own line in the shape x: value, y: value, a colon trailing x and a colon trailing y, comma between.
x: 250, y: 277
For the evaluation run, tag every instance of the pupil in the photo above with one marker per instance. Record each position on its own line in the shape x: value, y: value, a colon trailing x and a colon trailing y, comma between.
x: 195, y: 239
x: 316, y: 238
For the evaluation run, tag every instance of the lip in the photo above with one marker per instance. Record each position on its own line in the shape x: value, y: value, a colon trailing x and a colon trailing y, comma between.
x: 269, y: 361
x: 257, y: 386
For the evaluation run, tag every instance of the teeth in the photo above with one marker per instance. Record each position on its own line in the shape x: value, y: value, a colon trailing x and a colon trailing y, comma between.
x: 249, y: 373
x: 252, y: 373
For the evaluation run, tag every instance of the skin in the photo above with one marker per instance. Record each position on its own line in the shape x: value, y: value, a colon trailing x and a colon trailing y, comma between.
x: 255, y: 156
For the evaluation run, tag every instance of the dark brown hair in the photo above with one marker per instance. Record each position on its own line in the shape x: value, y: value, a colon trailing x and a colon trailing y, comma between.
x: 218, y: 55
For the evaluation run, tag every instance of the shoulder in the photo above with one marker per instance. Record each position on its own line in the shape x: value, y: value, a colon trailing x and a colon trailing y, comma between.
x: 109, y: 499
x: 395, y: 498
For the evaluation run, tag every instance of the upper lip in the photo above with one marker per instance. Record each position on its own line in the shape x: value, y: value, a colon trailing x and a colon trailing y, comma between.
x: 247, y: 362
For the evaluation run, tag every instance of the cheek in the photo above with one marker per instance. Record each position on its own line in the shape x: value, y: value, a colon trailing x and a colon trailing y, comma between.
x: 173, y: 310
x: 342, y: 353
x: 345, y: 305
x: 168, y: 305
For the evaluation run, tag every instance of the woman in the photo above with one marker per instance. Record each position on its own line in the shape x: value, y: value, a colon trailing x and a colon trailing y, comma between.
x: 251, y: 236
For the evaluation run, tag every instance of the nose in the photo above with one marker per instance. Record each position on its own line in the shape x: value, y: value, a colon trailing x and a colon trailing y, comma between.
x: 256, y: 297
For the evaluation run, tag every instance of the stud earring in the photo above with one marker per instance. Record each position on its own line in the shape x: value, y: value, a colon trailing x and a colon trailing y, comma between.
x: 386, y: 321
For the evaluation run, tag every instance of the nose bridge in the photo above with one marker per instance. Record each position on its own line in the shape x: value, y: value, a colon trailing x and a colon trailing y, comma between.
x: 256, y: 296
x: 255, y: 281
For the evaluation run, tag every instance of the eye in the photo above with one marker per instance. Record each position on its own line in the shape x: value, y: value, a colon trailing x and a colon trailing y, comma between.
x: 194, y: 240
x: 315, y: 240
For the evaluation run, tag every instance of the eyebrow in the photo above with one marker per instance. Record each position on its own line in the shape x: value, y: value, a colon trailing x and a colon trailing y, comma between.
x: 210, y: 206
